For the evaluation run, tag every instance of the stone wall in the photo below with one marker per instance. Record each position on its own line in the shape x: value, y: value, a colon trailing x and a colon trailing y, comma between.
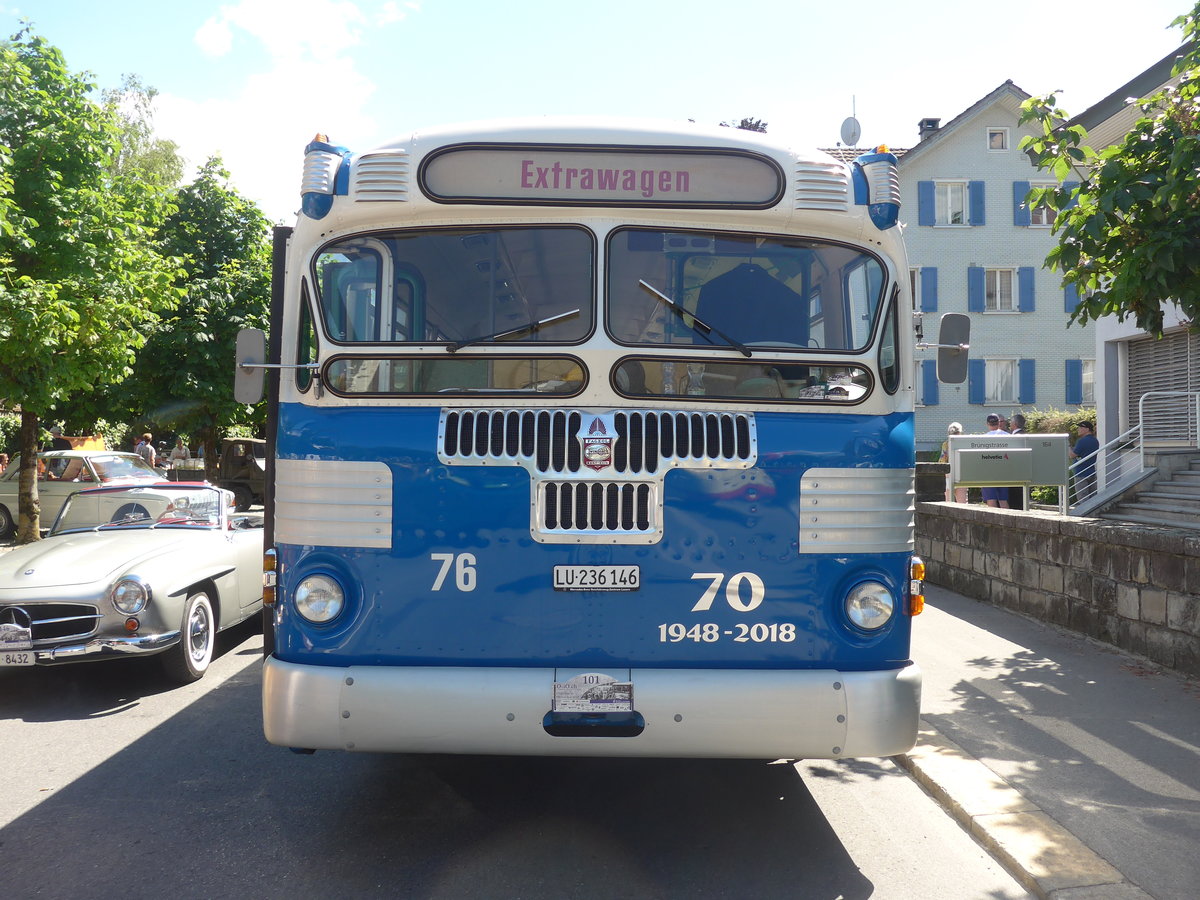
x: 1133, y: 586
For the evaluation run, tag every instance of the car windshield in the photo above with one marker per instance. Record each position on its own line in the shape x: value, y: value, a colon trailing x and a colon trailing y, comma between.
x: 157, y: 507
x: 114, y: 468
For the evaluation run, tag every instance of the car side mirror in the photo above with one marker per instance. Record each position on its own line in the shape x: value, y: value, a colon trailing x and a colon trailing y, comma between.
x: 954, y: 340
x: 249, y: 371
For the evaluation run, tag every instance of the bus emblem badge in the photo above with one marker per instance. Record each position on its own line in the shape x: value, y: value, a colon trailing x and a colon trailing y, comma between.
x: 597, y: 437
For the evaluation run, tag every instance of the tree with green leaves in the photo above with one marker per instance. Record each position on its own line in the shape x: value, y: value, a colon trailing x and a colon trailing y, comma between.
x: 187, y: 364
x: 748, y: 124
x: 1127, y: 216
x: 142, y: 153
x: 81, y: 279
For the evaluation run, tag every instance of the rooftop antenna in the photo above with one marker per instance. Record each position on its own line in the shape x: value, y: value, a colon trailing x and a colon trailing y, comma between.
x: 851, y: 130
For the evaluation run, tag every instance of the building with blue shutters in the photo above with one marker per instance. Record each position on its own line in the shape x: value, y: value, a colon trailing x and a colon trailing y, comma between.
x: 976, y: 247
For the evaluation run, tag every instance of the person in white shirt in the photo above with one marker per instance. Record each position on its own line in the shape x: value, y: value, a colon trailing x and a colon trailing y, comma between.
x: 995, y: 496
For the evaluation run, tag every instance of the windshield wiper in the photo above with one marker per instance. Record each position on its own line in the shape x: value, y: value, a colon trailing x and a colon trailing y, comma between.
x: 697, y: 324
x: 527, y: 328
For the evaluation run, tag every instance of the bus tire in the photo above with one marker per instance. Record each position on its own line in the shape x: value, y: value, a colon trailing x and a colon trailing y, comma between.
x: 188, y: 660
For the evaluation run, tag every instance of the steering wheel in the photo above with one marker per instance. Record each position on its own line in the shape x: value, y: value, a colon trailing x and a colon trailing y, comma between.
x: 130, y: 512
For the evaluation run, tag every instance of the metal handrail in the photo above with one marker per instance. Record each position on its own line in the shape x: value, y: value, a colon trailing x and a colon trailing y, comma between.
x: 1123, y: 459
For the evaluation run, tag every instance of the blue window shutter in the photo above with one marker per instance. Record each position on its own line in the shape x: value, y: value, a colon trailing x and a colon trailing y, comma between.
x: 1070, y: 298
x: 1075, y: 381
x: 975, y: 289
x: 1021, y: 216
x: 1026, y: 381
x: 1025, y: 283
x: 977, y: 214
x: 929, y: 382
x: 976, y: 381
x: 926, y: 203
x: 929, y: 298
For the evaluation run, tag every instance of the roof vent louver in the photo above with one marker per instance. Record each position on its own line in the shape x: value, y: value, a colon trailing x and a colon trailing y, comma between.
x: 381, y: 176
x: 822, y: 186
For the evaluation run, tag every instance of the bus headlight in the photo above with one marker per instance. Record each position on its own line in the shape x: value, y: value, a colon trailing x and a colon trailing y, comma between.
x: 319, y: 598
x: 130, y: 595
x: 870, y: 605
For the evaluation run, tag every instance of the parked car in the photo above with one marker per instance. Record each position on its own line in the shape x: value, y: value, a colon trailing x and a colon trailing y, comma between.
x: 244, y: 470
x: 62, y: 473
x: 133, y: 571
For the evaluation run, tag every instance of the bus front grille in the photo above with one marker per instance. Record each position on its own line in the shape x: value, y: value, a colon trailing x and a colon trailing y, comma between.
x: 546, y: 441
x: 597, y: 475
x: 592, y: 507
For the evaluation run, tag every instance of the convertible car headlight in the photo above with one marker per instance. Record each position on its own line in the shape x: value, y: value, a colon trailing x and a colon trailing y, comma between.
x: 319, y: 598
x: 130, y: 595
x: 870, y: 605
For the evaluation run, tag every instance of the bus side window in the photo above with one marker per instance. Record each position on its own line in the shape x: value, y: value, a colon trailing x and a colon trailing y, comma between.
x: 306, y: 342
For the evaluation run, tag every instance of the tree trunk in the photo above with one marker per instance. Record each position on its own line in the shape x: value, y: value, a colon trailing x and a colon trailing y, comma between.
x: 29, y: 519
x: 212, y: 454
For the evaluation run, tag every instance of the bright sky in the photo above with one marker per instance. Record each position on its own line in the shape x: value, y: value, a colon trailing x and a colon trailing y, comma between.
x: 254, y: 80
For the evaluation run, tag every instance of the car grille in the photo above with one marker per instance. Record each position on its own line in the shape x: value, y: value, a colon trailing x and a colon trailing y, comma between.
x: 61, y: 621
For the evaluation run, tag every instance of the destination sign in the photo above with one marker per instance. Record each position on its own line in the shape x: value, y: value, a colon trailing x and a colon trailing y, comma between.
x: 602, y: 177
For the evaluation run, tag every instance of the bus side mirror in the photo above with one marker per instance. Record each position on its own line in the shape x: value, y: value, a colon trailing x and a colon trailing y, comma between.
x: 248, y: 373
x: 954, y: 340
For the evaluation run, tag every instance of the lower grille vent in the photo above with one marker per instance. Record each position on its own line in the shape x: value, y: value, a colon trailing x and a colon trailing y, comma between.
x: 597, y: 506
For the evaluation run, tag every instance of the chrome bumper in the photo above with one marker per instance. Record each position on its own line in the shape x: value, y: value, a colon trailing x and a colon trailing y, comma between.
x: 109, y: 647
x: 724, y: 713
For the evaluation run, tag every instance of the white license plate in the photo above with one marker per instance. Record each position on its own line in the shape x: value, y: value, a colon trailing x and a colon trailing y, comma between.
x: 597, y: 578
x: 16, y: 658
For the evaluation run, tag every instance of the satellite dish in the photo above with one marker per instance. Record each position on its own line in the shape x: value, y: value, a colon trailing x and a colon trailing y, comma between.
x: 851, y: 132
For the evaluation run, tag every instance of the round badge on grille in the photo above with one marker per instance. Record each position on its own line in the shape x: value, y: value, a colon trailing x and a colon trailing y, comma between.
x: 597, y: 437
x: 15, y: 615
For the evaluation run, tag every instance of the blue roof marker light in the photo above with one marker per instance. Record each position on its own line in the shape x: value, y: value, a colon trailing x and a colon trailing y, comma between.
x: 877, y: 186
x: 326, y: 174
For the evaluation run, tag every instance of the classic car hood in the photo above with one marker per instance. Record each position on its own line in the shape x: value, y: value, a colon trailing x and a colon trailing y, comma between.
x: 82, y: 558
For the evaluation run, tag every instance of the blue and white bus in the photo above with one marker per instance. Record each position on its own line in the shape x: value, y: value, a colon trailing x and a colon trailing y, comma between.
x: 591, y: 438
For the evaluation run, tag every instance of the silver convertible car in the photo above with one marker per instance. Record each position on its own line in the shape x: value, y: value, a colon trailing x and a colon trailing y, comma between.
x: 158, y: 569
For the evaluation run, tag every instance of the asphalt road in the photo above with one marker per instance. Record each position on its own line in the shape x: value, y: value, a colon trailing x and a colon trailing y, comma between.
x: 118, y: 784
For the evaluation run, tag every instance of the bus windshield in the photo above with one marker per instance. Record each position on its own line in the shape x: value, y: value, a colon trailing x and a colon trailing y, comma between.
x: 458, y: 286
x: 745, y: 291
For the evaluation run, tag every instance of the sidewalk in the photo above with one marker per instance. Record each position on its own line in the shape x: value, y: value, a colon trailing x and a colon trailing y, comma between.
x: 1078, y: 766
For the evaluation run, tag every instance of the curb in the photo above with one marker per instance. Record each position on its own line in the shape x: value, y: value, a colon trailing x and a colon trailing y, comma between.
x: 1040, y: 853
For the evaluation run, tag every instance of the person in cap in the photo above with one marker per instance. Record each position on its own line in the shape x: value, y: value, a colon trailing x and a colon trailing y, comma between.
x: 995, y: 496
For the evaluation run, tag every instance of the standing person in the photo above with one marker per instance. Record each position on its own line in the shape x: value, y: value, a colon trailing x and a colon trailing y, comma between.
x: 995, y: 496
x: 145, y: 449
x: 180, y: 451
x: 1016, y: 495
x: 3, y: 462
x: 960, y: 493
x: 1085, y: 470
x: 57, y: 441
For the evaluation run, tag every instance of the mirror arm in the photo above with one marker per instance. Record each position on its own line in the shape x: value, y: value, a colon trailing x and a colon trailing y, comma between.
x: 257, y: 365
x: 926, y: 346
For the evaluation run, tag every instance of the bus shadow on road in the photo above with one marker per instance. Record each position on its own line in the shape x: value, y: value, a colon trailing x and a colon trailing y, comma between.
x: 207, y: 808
